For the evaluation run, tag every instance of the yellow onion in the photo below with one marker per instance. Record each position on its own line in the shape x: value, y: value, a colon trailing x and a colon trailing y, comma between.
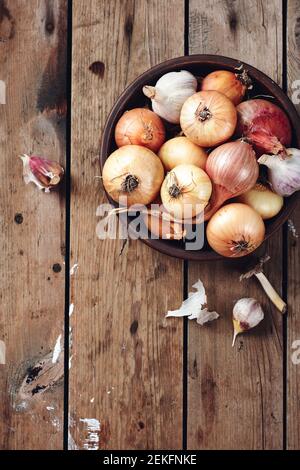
x: 181, y: 150
x: 235, y: 230
x: 208, y: 118
x: 263, y: 200
x: 161, y: 224
x: 185, y: 191
x: 134, y: 172
x: 140, y: 126
x: 232, y: 85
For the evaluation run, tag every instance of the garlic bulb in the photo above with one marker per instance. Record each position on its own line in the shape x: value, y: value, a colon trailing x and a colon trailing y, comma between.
x: 247, y: 313
x: 284, y: 172
x: 169, y: 94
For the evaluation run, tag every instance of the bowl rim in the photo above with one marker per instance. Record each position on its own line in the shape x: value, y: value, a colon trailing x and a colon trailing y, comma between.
x: 164, y: 246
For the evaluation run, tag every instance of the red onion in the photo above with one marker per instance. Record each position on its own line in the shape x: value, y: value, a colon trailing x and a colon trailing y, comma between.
x: 233, y: 169
x: 265, y: 125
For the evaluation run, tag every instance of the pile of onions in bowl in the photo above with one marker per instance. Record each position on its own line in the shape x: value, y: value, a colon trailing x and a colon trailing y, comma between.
x: 213, y: 164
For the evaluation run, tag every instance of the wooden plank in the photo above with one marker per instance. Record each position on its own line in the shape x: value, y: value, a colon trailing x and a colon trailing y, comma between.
x: 126, y: 358
x: 32, y: 66
x: 235, y: 395
x: 293, y: 321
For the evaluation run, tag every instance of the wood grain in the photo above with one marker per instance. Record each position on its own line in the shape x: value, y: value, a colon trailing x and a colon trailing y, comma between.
x: 126, y: 358
x: 235, y: 396
x: 293, y: 321
x: 32, y: 66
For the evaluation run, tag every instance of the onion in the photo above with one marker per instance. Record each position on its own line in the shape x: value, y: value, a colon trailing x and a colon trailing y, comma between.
x: 208, y: 118
x: 235, y: 230
x: 263, y: 200
x: 232, y: 85
x: 160, y: 224
x: 233, y: 169
x: 181, y: 150
x: 186, y: 191
x: 265, y: 125
x: 140, y: 126
x: 134, y: 172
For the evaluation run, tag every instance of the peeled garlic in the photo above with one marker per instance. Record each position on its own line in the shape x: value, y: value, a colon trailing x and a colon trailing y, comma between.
x: 247, y: 313
x: 44, y: 173
x: 169, y: 94
x: 283, y: 172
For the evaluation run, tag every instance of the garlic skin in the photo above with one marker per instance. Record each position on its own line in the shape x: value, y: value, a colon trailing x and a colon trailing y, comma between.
x: 169, y: 94
x: 247, y: 313
x: 44, y: 173
x: 283, y: 173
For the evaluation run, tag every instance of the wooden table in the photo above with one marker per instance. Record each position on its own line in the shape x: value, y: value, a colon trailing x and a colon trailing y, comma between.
x: 129, y: 379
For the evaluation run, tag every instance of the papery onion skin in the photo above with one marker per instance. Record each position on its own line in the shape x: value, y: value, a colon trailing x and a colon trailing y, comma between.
x: 226, y: 82
x: 262, y: 200
x: 134, y: 172
x: 235, y: 230
x: 181, y: 150
x: 208, y: 118
x: 185, y: 191
x: 265, y: 125
x: 140, y: 126
x: 233, y: 169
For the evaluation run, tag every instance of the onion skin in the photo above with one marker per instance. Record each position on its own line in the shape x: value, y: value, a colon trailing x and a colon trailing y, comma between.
x: 233, y: 169
x: 142, y: 166
x: 208, y: 118
x: 265, y: 125
x: 140, y: 126
x: 235, y: 230
x: 181, y: 150
x: 185, y: 191
x: 228, y: 83
x: 262, y: 200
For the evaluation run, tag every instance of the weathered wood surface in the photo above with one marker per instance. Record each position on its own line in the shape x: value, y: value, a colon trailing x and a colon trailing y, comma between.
x: 32, y: 66
x: 293, y: 291
x: 235, y: 396
x: 127, y: 359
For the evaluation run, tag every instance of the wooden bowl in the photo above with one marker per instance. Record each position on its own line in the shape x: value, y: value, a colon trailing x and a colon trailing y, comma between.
x: 199, y: 65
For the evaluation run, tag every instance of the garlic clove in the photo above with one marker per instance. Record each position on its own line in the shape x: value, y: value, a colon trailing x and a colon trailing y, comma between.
x: 237, y: 329
x: 247, y: 313
x: 45, y: 174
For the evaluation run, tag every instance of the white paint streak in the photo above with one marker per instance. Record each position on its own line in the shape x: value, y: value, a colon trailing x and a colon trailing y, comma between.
x: 93, y: 429
x: 2, y: 352
x: 74, y: 269
x: 2, y: 92
x: 92, y: 400
x: 57, y: 350
x: 49, y: 408
x: 71, y: 310
x: 70, y: 361
x: 22, y: 406
x: 56, y: 423
x: 71, y: 443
